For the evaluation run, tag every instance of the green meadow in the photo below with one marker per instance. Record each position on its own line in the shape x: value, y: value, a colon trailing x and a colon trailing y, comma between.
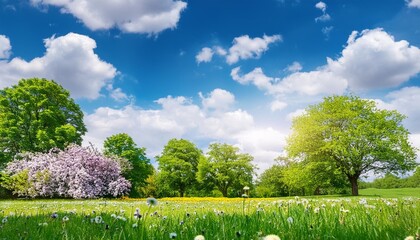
x: 375, y: 215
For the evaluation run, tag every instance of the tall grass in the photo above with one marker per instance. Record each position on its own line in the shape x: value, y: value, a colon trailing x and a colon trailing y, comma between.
x: 215, y: 218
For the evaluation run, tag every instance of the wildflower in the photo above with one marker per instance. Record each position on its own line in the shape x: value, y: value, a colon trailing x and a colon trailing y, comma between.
x: 44, y: 224
x: 290, y: 220
x: 271, y: 237
x: 182, y: 222
x: 135, y: 225
x: 4, y: 220
x: 199, y: 237
x: 98, y: 219
x: 114, y: 215
x: 344, y: 210
x: 164, y: 217
x: 122, y: 218
x: 316, y: 210
x: 409, y: 238
x: 54, y: 215
x: 363, y: 201
x: 172, y: 235
x: 65, y: 219
x: 151, y: 201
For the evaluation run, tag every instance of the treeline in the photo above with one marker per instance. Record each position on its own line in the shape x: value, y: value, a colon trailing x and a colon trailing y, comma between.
x: 330, y: 147
x: 392, y: 181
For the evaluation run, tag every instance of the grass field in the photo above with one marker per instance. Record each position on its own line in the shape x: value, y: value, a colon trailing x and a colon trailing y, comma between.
x: 396, y: 192
x: 215, y: 218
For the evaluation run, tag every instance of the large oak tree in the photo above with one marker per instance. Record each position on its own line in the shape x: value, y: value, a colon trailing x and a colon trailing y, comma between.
x: 37, y: 115
x: 354, y: 135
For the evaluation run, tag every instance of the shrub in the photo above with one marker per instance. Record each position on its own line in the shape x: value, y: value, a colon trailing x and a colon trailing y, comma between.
x: 75, y: 172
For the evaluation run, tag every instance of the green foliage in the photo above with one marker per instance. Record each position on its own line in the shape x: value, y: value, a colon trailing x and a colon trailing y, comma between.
x: 37, y: 115
x: 271, y: 183
x: 139, y: 169
x: 226, y: 168
x: 354, y: 136
x: 178, y: 165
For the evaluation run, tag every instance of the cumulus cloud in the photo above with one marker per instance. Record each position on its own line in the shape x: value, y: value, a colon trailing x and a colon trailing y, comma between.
x: 141, y: 16
x: 325, y: 16
x: 179, y: 117
x: 405, y: 101
x: 205, y: 55
x: 413, y: 3
x: 5, y: 47
x: 218, y: 99
x: 70, y: 60
x: 294, y: 67
x: 372, y: 59
x: 278, y: 105
x: 243, y: 48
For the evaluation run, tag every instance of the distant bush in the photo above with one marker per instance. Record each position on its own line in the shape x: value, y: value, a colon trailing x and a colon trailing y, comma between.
x: 75, y: 172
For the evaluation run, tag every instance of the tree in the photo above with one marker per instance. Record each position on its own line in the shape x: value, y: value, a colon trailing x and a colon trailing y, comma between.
x: 122, y: 145
x: 352, y: 135
x: 37, y: 115
x: 271, y: 183
x: 226, y: 168
x: 75, y: 172
x: 178, y: 164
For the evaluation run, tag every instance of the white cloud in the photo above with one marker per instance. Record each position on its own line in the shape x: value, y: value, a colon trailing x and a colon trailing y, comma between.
x: 325, y: 16
x: 326, y: 31
x: 413, y: 3
x: 205, y: 55
x: 278, y: 105
x: 70, y: 60
x: 371, y: 60
x: 218, y: 99
x: 5, y: 47
x: 296, y: 113
x: 406, y: 102
x: 255, y: 77
x: 118, y: 95
x: 294, y: 67
x: 179, y: 117
x: 140, y: 16
x: 245, y: 47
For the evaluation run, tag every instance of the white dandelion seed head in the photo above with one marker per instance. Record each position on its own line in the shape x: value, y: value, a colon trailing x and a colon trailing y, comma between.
x: 199, y: 237
x: 151, y: 201
x: 172, y: 235
x: 271, y: 237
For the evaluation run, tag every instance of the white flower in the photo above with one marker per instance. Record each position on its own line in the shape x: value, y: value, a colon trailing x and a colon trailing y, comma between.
x: 98, y: 219
x: 44, y: 224
x: 363, y: 201
x: 316, y: 210
x: 290, y: 220
x: 65, y: 219
x: 135, y: 225
x: 172, y: 235
x: 151, y: 201
x: 4, y: 220
x: 271, y: 237
x: 409, y: 238
x: 199, y: 237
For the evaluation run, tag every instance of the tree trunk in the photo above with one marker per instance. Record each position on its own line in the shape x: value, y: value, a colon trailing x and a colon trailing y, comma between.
x: 224, y: 192
x: 354, y: 186
x: 317, y: 191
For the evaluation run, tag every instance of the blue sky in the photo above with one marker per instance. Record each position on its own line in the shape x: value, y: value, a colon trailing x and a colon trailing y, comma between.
x: 231, y: 71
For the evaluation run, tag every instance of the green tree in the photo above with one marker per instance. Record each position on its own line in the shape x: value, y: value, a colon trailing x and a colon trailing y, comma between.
x: 353, y: 135
x: 414, y: 180
x: 271, y: 182
x: 37, y: 115
x: 122, y: 145
x: 388, y: 181
x: 226, y: 168
x: 178, y: 165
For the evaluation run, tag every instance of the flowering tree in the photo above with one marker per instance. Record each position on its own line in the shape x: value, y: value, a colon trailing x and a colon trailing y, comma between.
x: 75, y: 172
